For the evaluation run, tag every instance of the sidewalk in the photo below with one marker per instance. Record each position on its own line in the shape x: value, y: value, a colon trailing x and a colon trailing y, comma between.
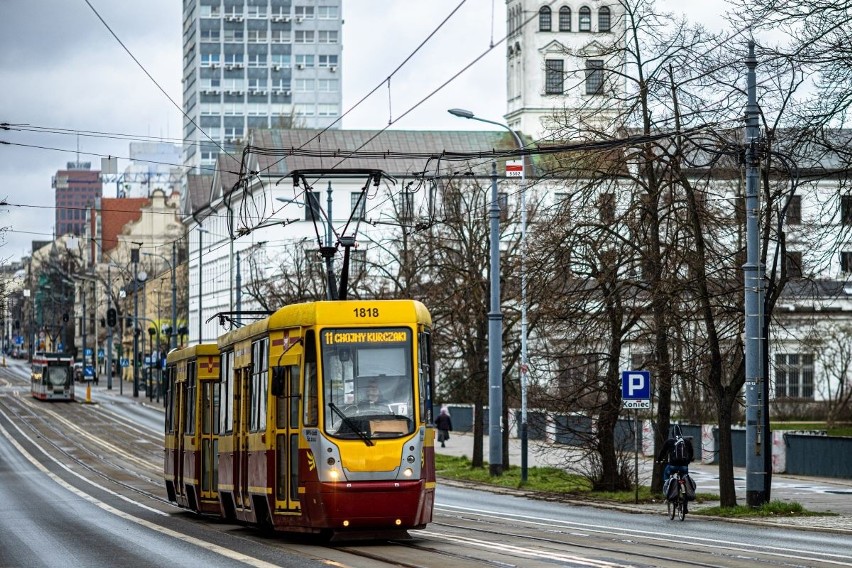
x: 817, y: 494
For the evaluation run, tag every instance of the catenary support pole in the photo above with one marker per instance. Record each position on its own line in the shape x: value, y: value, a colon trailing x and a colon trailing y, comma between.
x: 495, y: 340
x: 173, y: 335
x: 756, y: 478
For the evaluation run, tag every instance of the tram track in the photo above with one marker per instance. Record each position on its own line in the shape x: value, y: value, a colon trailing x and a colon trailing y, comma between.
x: 21, y: 419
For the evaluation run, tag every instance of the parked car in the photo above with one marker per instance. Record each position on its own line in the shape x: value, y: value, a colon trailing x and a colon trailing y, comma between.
x: 78, y: 371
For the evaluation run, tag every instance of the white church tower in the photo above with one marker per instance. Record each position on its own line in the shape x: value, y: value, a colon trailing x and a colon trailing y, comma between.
x: 560, y: 59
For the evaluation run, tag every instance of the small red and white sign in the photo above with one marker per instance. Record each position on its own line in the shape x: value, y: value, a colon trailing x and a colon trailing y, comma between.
x: 514, y: 168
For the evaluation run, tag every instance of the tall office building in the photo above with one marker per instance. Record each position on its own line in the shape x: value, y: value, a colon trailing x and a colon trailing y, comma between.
x: 257, y: 64
x: 76, y: 188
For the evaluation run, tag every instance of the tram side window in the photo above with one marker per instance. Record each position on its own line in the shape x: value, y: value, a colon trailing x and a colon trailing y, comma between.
x: 311, y: 417
x: 191, y: 389
x: 260, y: 383
x: 170, y: 399
x: 226, y: 409
x: 425, y: 382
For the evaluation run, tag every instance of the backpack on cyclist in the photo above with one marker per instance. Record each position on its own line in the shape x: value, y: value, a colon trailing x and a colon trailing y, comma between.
x: 679, y: 454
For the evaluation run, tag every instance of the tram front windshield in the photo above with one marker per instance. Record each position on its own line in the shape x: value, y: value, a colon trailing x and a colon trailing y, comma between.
x: 58, y: 374
x: 368, y: 382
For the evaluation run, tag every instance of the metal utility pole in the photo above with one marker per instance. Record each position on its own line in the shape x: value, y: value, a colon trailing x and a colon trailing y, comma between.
x: 109, y: 329
x: 201, y: 231
x: 173, y: 342
x: 757, y: 490
x: 463, y: 113
x: 239, y: 291
x: 134, y: 258
x: 495, y: 340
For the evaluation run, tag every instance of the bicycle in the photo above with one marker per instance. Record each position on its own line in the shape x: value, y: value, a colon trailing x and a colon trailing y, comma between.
x: 677, y: 506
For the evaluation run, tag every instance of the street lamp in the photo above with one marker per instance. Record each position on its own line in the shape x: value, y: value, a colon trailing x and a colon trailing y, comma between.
x: 172, y: 265
x: 463, y: 113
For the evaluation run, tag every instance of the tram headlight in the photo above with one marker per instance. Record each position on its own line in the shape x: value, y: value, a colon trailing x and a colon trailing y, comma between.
x: 408, y: 472
x: 333, y: 474
x: 410, y: 459
x: 330, y: 461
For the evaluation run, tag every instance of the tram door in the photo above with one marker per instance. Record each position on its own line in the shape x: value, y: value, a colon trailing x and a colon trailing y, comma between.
x: 242, y: 397
x: 209, y: 438
x: 288, y: 406
x: 180, y: 424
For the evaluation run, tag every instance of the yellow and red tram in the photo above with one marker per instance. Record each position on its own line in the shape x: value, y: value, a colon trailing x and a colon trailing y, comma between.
x: 52, y: 376
x: 191, y: 454
x: 325, y: 419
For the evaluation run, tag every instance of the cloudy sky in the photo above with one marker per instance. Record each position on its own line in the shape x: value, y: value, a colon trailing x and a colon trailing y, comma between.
x: 62, y: 69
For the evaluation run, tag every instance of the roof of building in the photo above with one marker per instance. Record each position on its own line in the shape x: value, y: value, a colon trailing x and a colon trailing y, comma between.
x: 198, y: 192
x: 271, y: 148
x: 115, y: 214
x: 341, y: 142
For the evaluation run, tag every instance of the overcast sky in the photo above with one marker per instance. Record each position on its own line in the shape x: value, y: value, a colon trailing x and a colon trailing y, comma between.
x: 60, y: 68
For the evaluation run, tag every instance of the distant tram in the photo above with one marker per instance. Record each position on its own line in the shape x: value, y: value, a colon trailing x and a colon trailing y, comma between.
x: 52, y: 376
x: 192, y: 376
x: 324, y: 420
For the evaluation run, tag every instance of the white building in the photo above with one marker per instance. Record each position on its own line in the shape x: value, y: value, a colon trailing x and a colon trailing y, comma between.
x: 557, y: 60
x: 271, y: 223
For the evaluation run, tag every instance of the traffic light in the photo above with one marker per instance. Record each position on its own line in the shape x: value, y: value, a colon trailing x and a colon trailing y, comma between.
x: 65, y: 317
x: 111, y: 318
x: 128, y: 321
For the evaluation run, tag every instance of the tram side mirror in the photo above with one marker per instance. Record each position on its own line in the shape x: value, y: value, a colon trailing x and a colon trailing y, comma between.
x: 278, y: 381
x: 344, y: 354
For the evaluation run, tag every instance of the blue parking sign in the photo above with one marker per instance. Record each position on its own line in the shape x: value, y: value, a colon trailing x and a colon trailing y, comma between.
x: 635, y: 386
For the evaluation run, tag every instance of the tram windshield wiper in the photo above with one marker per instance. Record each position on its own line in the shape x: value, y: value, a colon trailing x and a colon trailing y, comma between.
x: 349, y: 422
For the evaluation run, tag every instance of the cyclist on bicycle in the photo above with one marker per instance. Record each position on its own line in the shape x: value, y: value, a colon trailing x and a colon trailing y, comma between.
x: 676, y: 453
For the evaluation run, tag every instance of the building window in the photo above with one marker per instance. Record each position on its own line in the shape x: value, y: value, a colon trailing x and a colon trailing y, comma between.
x: 544, y: 18
x: 313, y: 211
x: 327, y: 12
x: 328, y: 85
x: 279, y: 60
x: 327, y: 61
x: 794, y: 375
x: 594, y: 77
x: 604, y: 19
x: 327, y: 36
x: 585, y: 19
x: 304, y: 61
x: 794, y: 264
x: 846, y: 209
x: 303, y: 85
x: 358, y: 204
x: 794, y: 211
x: 564, y: 19
x: 304, y: 36
x: 257, y: 36
x: 304, y: 12
x: 327, y: 110
x: 553, y: 77
x: 846, y: 262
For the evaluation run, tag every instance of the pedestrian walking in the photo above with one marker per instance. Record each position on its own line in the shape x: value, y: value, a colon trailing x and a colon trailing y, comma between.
x: 444, y: 424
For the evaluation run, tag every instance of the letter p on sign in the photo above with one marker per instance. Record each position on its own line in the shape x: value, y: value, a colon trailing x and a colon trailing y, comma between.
x: 635, y: 385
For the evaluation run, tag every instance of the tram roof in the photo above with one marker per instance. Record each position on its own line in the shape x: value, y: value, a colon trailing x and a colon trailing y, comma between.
x: 326, y: 313
x: 192, y: 351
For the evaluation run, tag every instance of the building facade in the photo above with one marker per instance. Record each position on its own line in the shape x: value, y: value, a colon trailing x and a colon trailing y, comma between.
x: 560, y: 63
x: 257, y: 64
x: 76, y: 189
